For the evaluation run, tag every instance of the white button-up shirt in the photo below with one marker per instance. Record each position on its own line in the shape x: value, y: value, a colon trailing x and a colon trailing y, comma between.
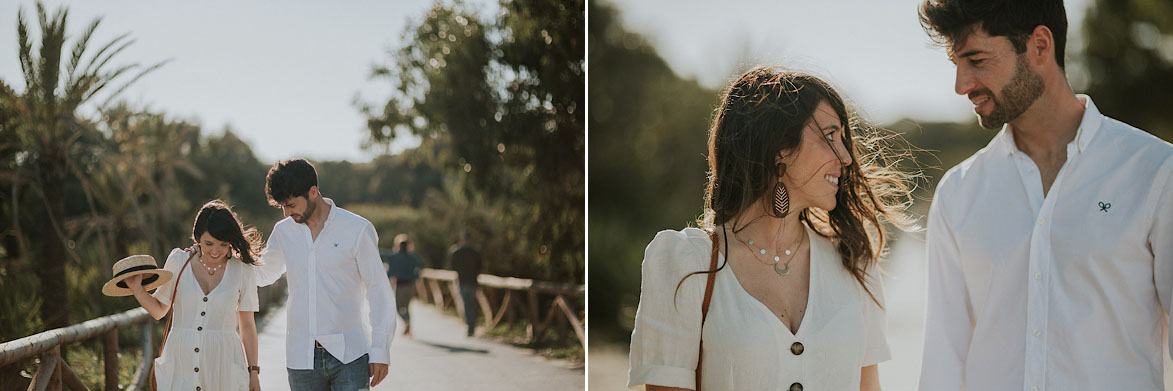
x: 328, y: 281
x: 1068, y: 291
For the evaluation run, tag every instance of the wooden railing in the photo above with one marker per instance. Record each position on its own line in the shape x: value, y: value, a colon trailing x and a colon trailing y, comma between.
x: 513, y: 295
x: 52, y: 372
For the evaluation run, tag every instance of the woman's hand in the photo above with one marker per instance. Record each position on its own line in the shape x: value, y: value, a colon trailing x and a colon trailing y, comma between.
x: 254, y: 381
x: 135, y: 283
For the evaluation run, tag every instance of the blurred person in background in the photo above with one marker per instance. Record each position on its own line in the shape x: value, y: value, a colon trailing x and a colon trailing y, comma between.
x: 467, y: 262
x: 1050, y: 251
x: 403, y: 269
x: 780, y: 283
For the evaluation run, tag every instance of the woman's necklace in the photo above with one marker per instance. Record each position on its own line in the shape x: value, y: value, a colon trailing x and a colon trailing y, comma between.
x: 777, y: 259
x: 211, y: 270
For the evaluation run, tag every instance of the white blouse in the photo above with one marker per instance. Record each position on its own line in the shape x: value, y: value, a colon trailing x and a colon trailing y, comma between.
x: 746, y: 346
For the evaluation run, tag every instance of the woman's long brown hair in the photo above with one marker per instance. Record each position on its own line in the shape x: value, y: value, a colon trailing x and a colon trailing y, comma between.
x: 217, y: 219
x: 763, y: 113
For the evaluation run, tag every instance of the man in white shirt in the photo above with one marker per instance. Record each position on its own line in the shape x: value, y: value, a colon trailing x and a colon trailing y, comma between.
x: 341, y: 306
x: 1050, y: 251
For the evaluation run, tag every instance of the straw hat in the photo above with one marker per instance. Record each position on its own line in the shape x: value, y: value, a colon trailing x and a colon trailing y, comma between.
x: 135, y: 265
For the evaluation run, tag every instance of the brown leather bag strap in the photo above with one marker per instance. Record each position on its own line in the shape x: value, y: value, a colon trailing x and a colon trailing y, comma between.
x: 712, y: 277
x: 170, y: 310
x: 171, y: 307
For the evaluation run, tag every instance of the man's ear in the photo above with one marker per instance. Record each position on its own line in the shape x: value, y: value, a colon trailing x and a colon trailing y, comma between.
x: 1040, y: 45
x: 313, y: 193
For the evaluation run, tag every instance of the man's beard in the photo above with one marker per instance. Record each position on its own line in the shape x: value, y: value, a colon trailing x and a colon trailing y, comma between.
x: 309, y: 211
x: 1024, y: 88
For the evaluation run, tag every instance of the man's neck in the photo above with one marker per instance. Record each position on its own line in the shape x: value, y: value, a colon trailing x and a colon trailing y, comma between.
x: 1049, y: 124
x: 318, y: 219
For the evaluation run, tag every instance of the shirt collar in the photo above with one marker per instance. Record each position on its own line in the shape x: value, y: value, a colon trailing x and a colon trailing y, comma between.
x: 330, y: 202
x: 1089, y: 125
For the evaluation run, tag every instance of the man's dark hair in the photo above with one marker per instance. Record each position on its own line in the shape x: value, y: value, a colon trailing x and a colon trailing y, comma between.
x: 949, y: 22
x: 288, y: 179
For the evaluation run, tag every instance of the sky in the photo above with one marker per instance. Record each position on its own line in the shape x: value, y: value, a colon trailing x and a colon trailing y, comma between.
x: 283, y: 77
x: 875, y: 52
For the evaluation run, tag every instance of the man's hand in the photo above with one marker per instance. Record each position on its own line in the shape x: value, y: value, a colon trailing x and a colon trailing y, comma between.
x: 378, y: 372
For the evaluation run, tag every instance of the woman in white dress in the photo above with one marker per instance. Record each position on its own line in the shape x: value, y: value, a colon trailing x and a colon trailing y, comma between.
x: 788, y: 246
x: 216, y: 295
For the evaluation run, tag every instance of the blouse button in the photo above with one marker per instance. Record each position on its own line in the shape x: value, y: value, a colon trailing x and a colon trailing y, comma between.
x: 796, y: 387
x: 797, y: 349
x: 205, y: 298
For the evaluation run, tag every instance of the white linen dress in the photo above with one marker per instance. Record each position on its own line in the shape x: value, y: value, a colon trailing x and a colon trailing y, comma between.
x: 746, y: 346
x: 204, y: 351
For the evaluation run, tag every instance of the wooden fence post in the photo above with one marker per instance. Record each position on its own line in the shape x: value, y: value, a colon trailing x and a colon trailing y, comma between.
x: 110, y: 347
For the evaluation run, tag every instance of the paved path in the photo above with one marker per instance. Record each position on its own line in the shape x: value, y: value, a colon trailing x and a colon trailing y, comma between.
x: 438, y: 357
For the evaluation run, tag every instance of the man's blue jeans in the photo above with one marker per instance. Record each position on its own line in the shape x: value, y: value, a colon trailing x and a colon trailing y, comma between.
x: 329, y: 374
x: 468, y: 293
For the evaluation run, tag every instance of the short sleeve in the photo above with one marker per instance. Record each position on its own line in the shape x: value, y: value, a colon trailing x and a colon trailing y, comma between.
x: 876, y: 320
x: 248, y: 289
x: 666, y: 340
x: 173, y: 264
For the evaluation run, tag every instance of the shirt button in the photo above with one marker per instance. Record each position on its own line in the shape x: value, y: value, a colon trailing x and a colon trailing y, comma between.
x: 197, y: 388
x: 796, y: 387
x: 1038, y: 332
x: 197, y: 369
x: 197, y: 350
x: 1038, y: 276
x: 1040, y: 223
x: 1034, y: 389
x: 201, y: 328
x: 202, y: 313
x: 797, y: 348
x: 206, y: 298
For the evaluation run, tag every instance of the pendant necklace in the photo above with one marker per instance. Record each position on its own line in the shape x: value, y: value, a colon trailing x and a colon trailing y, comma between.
x: 211, y: 270
x: 777, y: 259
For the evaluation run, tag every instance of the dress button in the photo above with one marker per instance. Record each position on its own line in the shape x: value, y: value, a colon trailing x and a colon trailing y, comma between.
x: 206, y: 298
x: 797, y: 348
x: 796, y: 387
x: 198, y: 369
x: 201, y: 328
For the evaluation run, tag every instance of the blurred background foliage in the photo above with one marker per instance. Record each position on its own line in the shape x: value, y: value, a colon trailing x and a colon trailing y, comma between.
x: 86, y: 179
x: 648, y: 131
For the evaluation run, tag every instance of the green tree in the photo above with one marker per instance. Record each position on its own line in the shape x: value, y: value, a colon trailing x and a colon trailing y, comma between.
x: 50, y: 134
x: 648, y: 133
x: 1128, y: 51
x: 501, y: 103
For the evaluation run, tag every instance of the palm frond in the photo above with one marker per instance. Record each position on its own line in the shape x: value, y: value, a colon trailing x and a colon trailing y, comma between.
x: 136, y: 78
x: 79, y: 50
